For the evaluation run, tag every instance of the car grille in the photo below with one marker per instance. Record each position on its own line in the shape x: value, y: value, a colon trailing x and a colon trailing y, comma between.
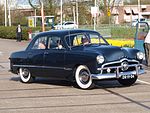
x: 122, y: 66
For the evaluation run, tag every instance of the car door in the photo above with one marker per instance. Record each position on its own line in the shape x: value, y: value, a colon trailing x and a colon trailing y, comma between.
x: 54, y: 58
x: 142, y: 29
x: 36, y: 56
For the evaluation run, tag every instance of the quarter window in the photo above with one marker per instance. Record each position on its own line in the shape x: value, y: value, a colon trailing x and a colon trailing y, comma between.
x: 40, y: 43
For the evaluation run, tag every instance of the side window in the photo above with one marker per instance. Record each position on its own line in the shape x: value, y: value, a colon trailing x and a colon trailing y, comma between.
x: 54, y: 42
x: 40, y: 43
x: 77, y: 40
x: 95, y: 39
x: 80, y: 39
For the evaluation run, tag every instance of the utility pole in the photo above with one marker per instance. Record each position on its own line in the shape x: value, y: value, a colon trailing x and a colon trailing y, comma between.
x: 5, y: 5
x: 95, y: 18
x: 61, y: 13
x: 34, y: 17
x: 77, y: 13
x: 74, y: 15
x: 139, y: 12
x: 42, y: 14
x: 9, y: 14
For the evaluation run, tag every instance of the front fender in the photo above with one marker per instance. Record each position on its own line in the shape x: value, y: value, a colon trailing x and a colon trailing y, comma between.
x: 130, y: 52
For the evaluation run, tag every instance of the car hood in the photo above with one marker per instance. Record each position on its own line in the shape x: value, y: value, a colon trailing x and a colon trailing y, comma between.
x: 111, y: 53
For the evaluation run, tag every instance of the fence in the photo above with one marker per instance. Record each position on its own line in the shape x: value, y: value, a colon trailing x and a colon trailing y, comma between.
x: 113, y: 31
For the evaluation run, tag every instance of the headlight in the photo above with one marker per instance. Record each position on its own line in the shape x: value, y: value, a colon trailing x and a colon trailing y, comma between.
x: 100, y: 59
x: 140, y: 55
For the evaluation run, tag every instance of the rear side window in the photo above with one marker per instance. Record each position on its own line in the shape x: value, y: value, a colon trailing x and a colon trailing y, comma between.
x: 55, y: 42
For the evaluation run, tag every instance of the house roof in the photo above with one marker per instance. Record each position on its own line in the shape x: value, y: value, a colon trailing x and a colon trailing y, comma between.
x: 135, y: 10
x: 127, y: 10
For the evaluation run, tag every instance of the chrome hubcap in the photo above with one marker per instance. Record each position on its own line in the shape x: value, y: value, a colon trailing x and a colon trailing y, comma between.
x: 25, y: 73
x: 84, y: 77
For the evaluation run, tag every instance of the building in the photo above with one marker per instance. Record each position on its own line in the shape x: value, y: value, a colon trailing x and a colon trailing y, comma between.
x: 128, y: 13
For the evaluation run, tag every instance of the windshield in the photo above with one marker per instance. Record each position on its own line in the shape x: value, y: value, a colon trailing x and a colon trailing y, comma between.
x: 84, y: 39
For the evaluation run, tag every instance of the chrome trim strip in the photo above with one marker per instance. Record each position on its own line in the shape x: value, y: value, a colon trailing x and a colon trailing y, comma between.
x: 48, y: 67
x: 115, y: 67
x: 120, y: 62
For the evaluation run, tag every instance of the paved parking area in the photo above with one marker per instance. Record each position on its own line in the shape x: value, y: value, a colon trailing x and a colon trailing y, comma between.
x: 52, y: 96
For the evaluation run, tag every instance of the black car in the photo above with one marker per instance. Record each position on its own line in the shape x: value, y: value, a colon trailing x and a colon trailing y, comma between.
x: 81, y: 56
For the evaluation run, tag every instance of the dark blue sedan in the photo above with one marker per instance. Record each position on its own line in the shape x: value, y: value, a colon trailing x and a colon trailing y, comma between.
x: 81, y: 56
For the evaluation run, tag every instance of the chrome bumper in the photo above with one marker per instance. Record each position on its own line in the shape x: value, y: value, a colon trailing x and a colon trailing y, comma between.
x: 118, y: 74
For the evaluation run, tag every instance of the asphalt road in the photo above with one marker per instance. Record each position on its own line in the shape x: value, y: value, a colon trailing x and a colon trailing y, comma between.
x: 52, y: 96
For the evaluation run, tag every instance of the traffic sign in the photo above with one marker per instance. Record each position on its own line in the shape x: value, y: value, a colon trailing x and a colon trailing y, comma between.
x: 31, y: 22
x: 108, y: 12
x: 94, y: 11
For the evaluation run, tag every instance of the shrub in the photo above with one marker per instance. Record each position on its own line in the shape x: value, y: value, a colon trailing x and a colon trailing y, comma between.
x: 123, y: 32
x: 10, y: 32
x: 121, y: 42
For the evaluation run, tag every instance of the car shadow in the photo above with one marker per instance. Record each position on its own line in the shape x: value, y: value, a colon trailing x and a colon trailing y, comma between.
x: 50, y: 81
x: 47, y: 81
x: 98, y: 84
x: 110, y: 84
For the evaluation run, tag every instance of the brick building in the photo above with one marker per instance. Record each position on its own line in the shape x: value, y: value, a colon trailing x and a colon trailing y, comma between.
x: 125, y: 14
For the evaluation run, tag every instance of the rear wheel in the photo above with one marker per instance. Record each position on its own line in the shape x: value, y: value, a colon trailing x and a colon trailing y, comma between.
x: 25, y: 75
x: 127, y: 82
x: 83, y: 77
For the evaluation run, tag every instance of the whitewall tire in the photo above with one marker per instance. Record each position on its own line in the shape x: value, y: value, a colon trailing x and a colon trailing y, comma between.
x: 25, y: 75
x: 83, y: 77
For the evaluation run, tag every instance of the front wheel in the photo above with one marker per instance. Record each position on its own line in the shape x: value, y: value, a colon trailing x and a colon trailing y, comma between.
x: 127, y: 82
x: 25, y: 75
x: 83, y: 78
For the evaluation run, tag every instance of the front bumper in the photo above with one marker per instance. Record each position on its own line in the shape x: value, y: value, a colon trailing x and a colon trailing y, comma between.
x: 138, y: 71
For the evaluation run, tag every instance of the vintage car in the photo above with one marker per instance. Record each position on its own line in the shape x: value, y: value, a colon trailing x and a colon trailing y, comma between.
x: 80, y: 56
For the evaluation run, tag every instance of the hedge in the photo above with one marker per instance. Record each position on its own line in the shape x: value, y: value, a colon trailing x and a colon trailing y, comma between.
x: 116, y: 32
x: 10, y: 32
x: 123, y: 32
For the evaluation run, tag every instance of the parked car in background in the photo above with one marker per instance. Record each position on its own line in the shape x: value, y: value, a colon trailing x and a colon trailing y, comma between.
x: 134, y: 22
x: 66, y: 25
x: 80, y: 56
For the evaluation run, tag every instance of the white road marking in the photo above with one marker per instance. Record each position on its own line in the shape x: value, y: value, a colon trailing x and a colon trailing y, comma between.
x: 148, y: 83
x: 0, y: 53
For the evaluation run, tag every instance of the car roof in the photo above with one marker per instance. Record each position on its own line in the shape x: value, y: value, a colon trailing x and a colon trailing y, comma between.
x: 66, y: 31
